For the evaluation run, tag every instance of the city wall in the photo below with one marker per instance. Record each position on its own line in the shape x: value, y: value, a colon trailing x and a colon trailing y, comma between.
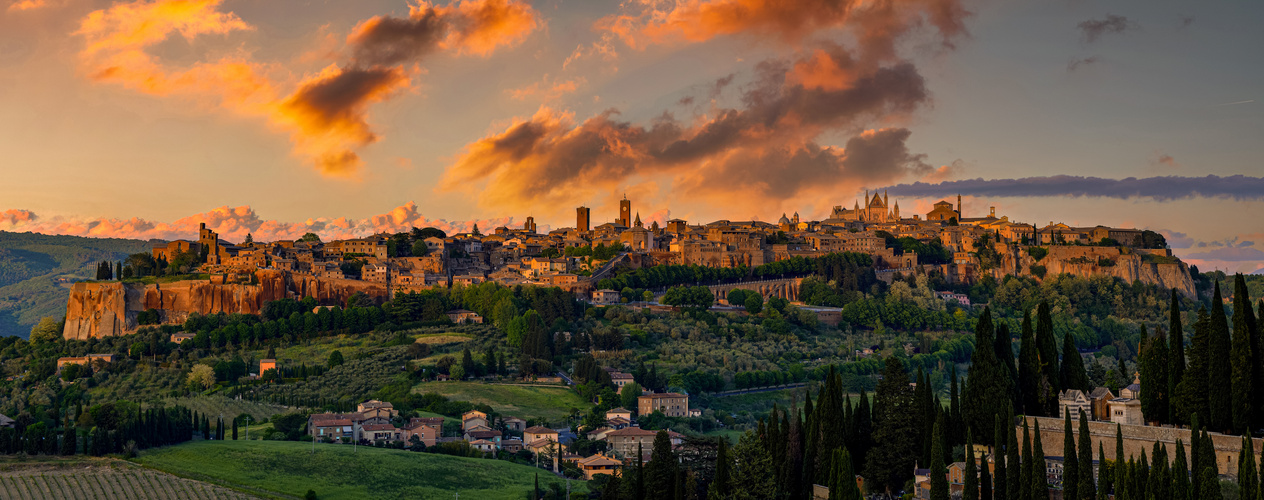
x: 1137, y: 439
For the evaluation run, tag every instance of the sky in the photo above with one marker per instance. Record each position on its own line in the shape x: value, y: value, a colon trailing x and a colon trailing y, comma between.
x: 273, y: 117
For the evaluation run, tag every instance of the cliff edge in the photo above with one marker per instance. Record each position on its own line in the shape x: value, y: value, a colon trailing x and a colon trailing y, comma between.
x: 111, y: 308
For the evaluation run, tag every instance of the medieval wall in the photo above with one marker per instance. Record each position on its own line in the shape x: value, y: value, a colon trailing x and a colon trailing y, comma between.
x: 1082, y: 261
x: 111, y: 308
x: 1137, y: 439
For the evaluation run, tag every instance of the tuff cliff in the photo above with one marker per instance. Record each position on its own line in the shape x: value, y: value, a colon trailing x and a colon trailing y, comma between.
x: 111, y: 308
x: 1153, y: 267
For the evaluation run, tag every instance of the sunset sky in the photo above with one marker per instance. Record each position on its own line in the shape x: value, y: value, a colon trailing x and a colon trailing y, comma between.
x: 274, y: 117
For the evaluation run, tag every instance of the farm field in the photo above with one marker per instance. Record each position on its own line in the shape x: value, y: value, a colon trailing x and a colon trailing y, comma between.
x: 339, y: 472
x: 229, y: 408
x: 104, y: 479
x: 522, y: 401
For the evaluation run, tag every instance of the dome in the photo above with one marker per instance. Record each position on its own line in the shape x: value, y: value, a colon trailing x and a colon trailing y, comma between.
x: 783, y: 219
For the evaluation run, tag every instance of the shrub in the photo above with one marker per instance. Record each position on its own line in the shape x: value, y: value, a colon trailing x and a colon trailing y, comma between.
x: 1037, y: 253
x: 1105, y: 262
x: 1038, y: 270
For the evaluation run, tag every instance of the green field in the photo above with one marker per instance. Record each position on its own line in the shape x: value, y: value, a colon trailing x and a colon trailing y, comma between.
x: 525, y: 402
x: 229, y: 408
x: 285, y: 468
x: 79, y: 478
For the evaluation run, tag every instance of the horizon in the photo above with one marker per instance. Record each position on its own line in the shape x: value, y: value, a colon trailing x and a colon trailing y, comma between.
x: 137, y: 121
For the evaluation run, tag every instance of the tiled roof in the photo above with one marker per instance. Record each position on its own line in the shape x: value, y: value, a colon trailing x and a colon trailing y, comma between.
x: 379, y: 427
x: 539, y: 430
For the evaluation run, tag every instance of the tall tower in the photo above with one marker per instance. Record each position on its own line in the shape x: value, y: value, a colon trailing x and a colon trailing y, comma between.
x: 529, y: 226
x: 625, y: 212
x: 958, y: 207
x: 581, y: 219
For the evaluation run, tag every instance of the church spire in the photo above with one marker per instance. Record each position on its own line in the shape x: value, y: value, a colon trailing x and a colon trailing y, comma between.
x: 638, y: 220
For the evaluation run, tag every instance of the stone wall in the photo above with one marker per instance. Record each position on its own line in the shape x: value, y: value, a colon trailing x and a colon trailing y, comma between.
x: 111, y: 308
x: 1137, y: 439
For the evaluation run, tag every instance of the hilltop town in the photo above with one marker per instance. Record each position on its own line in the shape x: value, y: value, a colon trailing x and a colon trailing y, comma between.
x: 963, y: 247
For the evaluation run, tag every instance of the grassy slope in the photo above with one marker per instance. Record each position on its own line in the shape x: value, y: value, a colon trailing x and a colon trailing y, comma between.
x: 336, y: 471
x: 42, y: 477
x: 519, y: 401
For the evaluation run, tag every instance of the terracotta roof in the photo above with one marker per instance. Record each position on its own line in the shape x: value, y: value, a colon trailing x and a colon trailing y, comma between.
x: 598, y: 460
x: 540, y: 430
x: 663, y: 395
x: 429, y: 421
x: 621, y: 376
x: 483, y: 434
x: 379, y: 427
x: 332, y: 423
x: 481, y: 441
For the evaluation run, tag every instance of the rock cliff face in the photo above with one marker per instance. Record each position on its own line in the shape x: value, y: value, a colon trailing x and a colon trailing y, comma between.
x: 107, y: 309
x: 1129, y: 265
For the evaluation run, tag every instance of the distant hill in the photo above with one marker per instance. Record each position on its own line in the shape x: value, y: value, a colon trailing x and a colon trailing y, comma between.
x: 36, y: 271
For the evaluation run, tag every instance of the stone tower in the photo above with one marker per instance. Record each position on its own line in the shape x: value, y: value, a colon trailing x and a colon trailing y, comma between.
x: 582, y: 219
x: 625, y: 212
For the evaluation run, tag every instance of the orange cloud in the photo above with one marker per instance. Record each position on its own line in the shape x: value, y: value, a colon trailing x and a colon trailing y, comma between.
x: 326, y: 114
x: 27, y: 5
x: 547, y: 90
x: 15, y: 217
x: 234, y: 223
x: 875, y: 24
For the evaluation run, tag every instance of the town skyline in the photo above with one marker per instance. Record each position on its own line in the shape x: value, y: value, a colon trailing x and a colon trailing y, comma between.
x: 1004, y: 94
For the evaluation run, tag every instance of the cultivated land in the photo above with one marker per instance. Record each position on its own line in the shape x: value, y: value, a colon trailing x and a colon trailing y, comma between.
x: 522, y: 401
x: 93, y: 479
x: 283, y: 469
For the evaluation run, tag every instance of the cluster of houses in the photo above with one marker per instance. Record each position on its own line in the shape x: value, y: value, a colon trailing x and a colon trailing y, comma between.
x: 1103, y: 405
x: 373, y: 421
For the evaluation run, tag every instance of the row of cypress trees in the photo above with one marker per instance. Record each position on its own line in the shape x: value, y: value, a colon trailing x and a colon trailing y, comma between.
x: 1174, y: 392
x: 153, y: 427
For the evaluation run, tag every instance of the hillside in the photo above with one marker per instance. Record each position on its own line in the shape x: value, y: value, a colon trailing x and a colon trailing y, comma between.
x: 340, y: 471
x: 36, y: 271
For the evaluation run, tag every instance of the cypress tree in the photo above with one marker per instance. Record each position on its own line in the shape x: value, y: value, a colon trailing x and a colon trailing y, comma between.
x: 1047, y: 345
x: 1192, y: 392
x: 1087, y: 490
x: 1107, y: 477
x: 1195, y: 456
x: 1248, y: 481
x: 954, y: 407
x: 1024, y: 488
x: 1070, y: 466
x: 661, y: 471
x: 1073, y: 374
x: 1219, y: 372
x: 938, y: 473
x: 720, y: 486
x: 1180, y: 474
x: 1210, y: 487
x: 1039, y: 476
x: 1242, y: 359
x: 987, y: 390
x: 1121, y: 471
x: 234, y: 429
x: 844, y: 486
x: 985, y: 479
x: 1004, y: 343
x: 1154, y: 373
x: 1013, y: 463
x: 1029, y: 370
x: 1142, y: 478
x: 1160, y: 474
x: 1176, y: 357
x: 999, y: 455
x: 970, y: 486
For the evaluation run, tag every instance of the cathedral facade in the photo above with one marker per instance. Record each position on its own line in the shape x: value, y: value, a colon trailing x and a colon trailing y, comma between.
x: 874, y: 211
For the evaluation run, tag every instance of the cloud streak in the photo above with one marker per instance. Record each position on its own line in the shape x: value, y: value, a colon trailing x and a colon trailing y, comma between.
x: 1094, y: 29
x: 234, y: 223
x: 1166, y: 188
x: 326, y: 114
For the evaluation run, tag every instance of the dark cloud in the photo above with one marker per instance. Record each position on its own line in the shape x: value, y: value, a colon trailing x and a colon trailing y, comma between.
x: 1076, y: 63
x: 1093, y: 29
x: 1229, y: 254
x: 388, y: 40
x: 1176, y: 239
x: 1236, y: 187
